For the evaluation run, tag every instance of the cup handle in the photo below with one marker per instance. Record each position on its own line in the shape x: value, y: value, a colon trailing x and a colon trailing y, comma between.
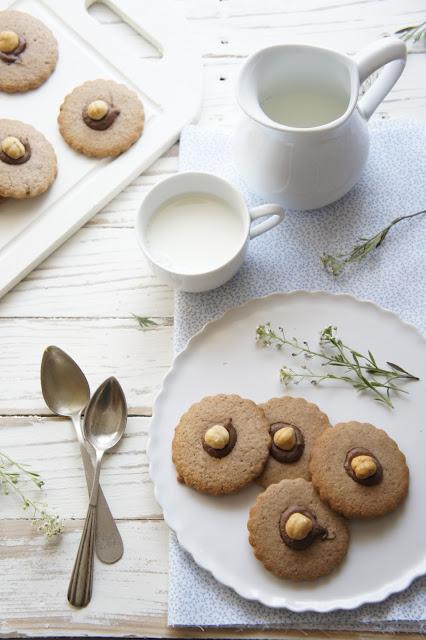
x: 275, y: 212
x: 390, y: 52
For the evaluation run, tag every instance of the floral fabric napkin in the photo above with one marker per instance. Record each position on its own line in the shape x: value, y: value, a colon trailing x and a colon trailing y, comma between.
x: 288, y: 258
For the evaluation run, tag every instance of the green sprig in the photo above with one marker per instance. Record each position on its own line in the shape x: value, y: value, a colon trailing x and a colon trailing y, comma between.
x: 145, y: 322
x: 335, y: 264
x: 13, y: 476
x: 413, y: 33
x: 360, y: 371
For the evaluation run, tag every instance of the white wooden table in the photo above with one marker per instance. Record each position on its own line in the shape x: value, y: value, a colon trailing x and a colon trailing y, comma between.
x: 82, y: 298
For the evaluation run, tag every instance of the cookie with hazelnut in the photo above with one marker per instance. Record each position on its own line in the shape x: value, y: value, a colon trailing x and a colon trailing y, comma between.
x: 294, y: 425
x: 359, y: 470
x: 27, y: 160
x: 101, y: 118
x: 28, y: 52
x: 294, y: 534
x: 221, y: 444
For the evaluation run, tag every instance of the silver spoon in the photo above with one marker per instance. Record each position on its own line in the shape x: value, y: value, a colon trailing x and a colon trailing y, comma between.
x: 104, y: 425
x: 66, y: 393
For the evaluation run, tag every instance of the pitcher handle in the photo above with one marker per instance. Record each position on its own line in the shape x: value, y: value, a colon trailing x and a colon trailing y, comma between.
x: 275, y: 213
x: 391, y: 52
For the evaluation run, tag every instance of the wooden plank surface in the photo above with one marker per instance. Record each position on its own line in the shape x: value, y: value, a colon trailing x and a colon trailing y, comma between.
x: 49, y: 446
x: 102, y: 346
x: 83, y: 297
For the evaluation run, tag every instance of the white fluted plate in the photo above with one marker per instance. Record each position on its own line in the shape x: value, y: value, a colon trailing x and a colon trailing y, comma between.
x: 385, y: 554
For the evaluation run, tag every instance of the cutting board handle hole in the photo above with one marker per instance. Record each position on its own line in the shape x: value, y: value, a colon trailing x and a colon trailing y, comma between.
x: 117, y: 29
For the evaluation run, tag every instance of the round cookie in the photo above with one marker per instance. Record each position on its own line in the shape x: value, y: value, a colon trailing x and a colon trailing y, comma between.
x: 27, y: 160
x: 359, y: 470
x: 28, y: 52
x: 221, y: 444
x: 101, y: 118
x: 291, y: 420
x: 294, y: 534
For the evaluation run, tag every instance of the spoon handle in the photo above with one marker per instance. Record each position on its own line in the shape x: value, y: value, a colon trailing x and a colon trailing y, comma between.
x: 109, y: 545
x: 80, y: 586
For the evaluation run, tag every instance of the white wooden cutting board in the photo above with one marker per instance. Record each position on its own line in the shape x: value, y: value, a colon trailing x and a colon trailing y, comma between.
x: 170, y: 87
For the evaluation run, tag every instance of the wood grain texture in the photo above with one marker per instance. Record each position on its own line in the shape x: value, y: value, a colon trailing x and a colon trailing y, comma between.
x: 50, y: 447
x: 102, y: 346
x: 82, y: 298
x: 106, y: 274
x: 134, y: 588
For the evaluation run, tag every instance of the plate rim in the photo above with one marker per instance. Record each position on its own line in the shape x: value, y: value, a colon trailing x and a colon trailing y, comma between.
x: 354, y: 602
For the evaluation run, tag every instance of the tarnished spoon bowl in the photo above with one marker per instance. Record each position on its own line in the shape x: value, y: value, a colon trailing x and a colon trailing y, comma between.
x: 106, y: 416
x: 64, y: 386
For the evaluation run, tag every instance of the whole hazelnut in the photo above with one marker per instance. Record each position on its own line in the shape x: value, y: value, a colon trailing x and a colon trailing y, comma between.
x: 363, y: 467
x: 285, y: 438
x: 13, y: 147
x: 97, y: 109
x: 217, y: 437
x: 298, y: 526
x: 9, y: 40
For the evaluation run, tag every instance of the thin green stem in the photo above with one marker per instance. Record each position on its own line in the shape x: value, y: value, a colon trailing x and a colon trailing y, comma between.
x: 32, y: 475
x: 50, y: 524
x: 335, y: 264
x: 361, y: 371
x: 414, y: 32
x: 370, y: 368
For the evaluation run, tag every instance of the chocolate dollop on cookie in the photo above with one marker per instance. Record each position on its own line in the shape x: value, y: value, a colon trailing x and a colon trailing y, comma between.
x: 363, y: 466
x: 219, y: 440
x: 299, y: 527
x: 288, y: 442
x: 11, y: 46
x: 99, y: 115
x: 15, y: 150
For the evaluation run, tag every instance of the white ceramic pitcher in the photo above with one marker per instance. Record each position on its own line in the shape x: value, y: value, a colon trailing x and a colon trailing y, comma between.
x: 303, y: 138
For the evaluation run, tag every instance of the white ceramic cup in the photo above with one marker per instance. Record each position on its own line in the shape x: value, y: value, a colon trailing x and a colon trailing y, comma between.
x: 196, y: 182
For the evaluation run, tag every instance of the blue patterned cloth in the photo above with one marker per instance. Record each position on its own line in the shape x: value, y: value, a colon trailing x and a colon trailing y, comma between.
x: 288, y: 258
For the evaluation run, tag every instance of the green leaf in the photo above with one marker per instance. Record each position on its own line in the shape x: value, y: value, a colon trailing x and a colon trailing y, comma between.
x: 396, y: 367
